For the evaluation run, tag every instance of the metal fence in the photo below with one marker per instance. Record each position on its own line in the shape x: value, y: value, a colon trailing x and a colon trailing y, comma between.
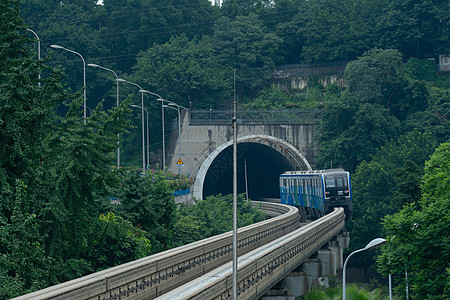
x: 204, y: 117
x: 304, y: 69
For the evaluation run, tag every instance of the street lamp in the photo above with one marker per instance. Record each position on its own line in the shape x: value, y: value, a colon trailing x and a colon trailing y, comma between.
x: 148, y: 143
x: 189, y: 150
x: 117, y: 103
x: 90, y: 110
x: 39, y: 52
x: 179, y: 130
x: 162, y: 125
x: 84, y: 73
x: 373, y: 243
x: 142, y: 106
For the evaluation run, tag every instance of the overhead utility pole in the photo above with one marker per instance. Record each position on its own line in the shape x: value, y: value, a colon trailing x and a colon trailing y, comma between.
x: 235, y: 256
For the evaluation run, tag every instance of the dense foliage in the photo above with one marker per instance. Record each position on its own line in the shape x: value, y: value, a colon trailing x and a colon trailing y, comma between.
x: 186, y: 51
x: 64, y: 211
x: 211, y: 217
x: 60, y: 216
x: 384, y: 131
x: 56, y: 210
x: 418, y: 235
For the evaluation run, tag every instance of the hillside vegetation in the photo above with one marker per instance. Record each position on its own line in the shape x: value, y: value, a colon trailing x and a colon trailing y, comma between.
x: 59, y: 192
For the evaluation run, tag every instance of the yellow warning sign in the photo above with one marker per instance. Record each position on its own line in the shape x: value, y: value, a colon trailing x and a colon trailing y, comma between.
x: 180, y: 162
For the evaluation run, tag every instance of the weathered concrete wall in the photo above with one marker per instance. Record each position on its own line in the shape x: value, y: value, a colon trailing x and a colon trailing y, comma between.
x: 204, y: 139
x: 300, y: 76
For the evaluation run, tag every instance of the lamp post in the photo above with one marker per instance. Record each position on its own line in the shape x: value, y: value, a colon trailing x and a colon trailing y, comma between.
x: 84, y: 73
x: 373, y: 243
x: 189, y: 150
x: 117, y: 103
x: 163, y: 137
x: 142, y: 106
x: 162, y: 125
x: 90, y: 111
x: 179, y: 131
x: 148, y: 143
x: 39, y: 52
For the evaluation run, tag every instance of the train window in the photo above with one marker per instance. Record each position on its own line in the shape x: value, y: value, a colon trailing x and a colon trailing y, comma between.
x: 329, y: 182
x: 284, y: 182
x: 341, y: 181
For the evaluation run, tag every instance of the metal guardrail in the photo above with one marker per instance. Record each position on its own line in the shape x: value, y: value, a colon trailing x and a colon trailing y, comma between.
x: 208, y: 117
x: 152, y: 276
x: 260, y: 269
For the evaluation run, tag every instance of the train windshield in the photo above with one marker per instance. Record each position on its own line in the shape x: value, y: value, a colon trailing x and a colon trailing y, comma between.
x: 336, y: 181
x: 329, y: 182
x: 341, y: 181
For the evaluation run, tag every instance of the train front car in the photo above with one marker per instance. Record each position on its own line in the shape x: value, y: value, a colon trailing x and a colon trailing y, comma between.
x: 320, y: 190
x: 338, y: 191
x: 303, y: 189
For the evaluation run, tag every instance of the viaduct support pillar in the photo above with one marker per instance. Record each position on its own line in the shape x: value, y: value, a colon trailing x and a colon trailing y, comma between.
x: 313, y: 271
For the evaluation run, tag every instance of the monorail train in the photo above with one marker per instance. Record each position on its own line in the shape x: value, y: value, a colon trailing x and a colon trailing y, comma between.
x: 317, y: 191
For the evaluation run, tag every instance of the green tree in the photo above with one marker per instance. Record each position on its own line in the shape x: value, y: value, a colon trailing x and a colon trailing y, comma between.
x: 418, y: 29
x: 211, y: 217
x: 114, y: 241
x: 28, y: 181
x: 271, y: 98
x: 24, y: 266
x: 379, y: 77
x: 235, y: 8
x: 75, y: 25
x: 26, y: 108
x: 78, y: 160
x: 382, y: 185
x: 418, y: 239
x: 437, y: 176
x: 433, y: 118
x: 407, y: 179
x: 384, y: 98
x: 148, y: 202
x: 333, y: 30
x: 135, y: 26
x: 184, y: 71
x: 374, y: 77
x: 351, y: 132
x: 245, y: 45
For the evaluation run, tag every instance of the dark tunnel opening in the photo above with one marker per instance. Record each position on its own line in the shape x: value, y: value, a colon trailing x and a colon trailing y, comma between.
x: 263, y: 164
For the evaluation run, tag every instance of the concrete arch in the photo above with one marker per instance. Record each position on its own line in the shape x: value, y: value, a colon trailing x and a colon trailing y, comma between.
x: 284, y: 148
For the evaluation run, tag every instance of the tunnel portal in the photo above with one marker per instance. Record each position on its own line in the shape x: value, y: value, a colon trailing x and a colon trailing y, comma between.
x: 262, y: 164
x: 262, y: 157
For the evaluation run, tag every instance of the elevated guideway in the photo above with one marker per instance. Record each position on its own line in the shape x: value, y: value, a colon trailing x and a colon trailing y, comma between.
x: 268, y: 251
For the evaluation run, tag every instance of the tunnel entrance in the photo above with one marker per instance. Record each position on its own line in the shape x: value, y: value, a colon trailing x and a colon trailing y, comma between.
x: 262, y: 163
